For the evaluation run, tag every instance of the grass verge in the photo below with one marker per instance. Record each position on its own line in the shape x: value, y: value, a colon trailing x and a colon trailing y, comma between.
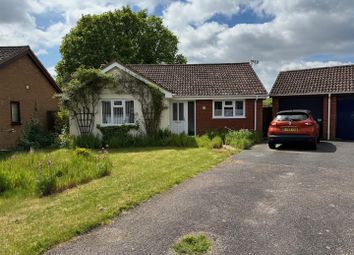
x: 31, y: 225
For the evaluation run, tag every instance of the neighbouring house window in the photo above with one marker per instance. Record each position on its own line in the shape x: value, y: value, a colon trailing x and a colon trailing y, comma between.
x: 118, y: 112
x: 178, y: 111
x: 15, y: 113
x: 229, y: 109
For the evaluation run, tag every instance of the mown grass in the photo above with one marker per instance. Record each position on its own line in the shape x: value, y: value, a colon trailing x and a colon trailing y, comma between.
x: 31, y: 225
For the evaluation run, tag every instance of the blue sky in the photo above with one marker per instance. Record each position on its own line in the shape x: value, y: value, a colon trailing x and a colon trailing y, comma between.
x: 280, y: 34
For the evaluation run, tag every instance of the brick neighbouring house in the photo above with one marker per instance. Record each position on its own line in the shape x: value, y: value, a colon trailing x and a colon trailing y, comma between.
x: 328, y: 92
x: 26, y: 89
x: 198, y: 97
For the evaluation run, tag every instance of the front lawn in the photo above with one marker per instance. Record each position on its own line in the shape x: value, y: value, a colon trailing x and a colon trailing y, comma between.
x: 31, y: 225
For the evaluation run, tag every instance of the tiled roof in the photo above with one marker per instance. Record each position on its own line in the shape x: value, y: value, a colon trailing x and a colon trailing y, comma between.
x: 9, y: 52
x: 336, y: 79
x: 204, y: 79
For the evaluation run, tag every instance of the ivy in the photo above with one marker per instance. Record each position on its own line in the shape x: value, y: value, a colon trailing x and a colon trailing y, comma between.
x: 149, y: 96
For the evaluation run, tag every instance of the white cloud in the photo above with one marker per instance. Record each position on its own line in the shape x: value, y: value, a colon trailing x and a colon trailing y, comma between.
x: 41, y: 51
x: 52, y: 71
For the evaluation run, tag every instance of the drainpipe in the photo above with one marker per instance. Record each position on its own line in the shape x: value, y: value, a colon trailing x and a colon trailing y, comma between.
x: 329, y: 118
x: 255, y: 113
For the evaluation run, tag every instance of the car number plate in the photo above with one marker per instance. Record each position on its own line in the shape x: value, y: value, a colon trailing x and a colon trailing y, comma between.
x: 291, y: 129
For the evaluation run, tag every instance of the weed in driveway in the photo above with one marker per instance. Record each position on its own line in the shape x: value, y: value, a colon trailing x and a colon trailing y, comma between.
x: 196, y: 244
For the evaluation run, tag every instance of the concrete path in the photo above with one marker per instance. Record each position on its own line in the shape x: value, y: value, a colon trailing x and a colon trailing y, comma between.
x: 287, y: 201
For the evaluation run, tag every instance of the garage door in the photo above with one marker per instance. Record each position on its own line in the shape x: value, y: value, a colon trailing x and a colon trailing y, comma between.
x: 314, y: 104
x: 345, y: 117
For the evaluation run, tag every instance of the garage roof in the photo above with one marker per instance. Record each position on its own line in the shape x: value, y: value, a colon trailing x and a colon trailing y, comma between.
x: 325, y: 80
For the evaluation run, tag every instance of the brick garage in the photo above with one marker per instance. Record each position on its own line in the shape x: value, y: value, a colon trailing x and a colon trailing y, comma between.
x: 330, y: 87
x: 24, y: 81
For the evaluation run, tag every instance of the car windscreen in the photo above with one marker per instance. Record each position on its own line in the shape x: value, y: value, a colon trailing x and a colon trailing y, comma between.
x: 293, y: 116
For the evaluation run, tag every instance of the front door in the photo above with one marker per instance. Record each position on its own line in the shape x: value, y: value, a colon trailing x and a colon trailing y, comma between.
x: 182, y: 117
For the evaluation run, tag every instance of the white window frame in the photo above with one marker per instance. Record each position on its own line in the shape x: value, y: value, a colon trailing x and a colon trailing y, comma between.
x: 178, y: 112
x: 234, y: 109
x: 112, y: 112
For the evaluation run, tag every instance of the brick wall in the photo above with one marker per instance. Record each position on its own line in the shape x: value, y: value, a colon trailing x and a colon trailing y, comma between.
x: 205, y: 121
x: 333, y: 117
x: 36, y: 100
x: 325, y: 118
x: 275, y: 106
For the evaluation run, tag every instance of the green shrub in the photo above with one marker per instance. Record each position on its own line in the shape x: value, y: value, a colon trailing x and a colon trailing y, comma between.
x: 203, y: 141
x: 242, y: 139
x: 33, y: 136
x: 210, y: 142
x: 45, y: 173
x: 114, y: 133
x: 216, y: 142
x: 211, y: 133
x: 65, y: 140
x: 88, y: 141
x: 182, y: 140
x: 120, y: 141
x: 62, y: 121
x: 162, y: 138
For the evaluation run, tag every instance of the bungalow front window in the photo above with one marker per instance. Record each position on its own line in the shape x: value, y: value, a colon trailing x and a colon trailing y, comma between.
x: 118, y: 112
x: 229, y: 109
x: 178, y: 111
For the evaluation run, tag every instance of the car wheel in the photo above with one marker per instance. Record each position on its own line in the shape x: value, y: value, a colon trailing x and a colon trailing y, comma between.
x: 271, y: 145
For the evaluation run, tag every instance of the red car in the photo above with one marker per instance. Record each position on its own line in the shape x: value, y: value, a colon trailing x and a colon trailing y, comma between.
x: 294, y: 126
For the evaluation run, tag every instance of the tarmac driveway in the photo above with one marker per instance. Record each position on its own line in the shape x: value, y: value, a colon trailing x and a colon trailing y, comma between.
x: 287, y: 201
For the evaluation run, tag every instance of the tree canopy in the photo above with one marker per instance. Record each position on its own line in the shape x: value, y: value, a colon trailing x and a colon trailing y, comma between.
x: 124, y: 35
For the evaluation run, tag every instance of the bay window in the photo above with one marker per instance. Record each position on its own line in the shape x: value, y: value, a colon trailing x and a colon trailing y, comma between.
x: 118, y: 112
x: 229, y: 109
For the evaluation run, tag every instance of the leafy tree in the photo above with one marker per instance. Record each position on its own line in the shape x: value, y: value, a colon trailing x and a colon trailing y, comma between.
x: 81, y: 95
x: 124, y: 35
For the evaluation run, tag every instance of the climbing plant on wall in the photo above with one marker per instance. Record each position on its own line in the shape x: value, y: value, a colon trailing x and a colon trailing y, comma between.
x: 82, y: 94
x: 149, y: 96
